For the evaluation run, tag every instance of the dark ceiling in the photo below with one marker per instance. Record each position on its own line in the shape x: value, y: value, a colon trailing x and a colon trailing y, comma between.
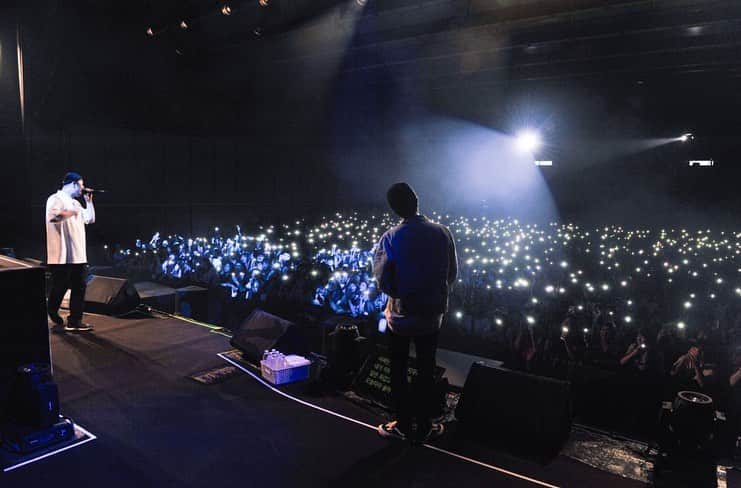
x: 443, y: 40
x: 676, y: 57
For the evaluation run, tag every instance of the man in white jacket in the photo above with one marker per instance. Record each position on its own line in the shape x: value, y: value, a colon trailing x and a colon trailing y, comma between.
x: 66, y: 250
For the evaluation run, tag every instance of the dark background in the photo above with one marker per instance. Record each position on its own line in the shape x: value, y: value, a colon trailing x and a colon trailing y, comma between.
x: 329, y: 102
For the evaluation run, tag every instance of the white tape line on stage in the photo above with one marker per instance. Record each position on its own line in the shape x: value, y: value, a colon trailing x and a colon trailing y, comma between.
x: 373, y: 427
x: 90, y: 437
x: 290, y: 397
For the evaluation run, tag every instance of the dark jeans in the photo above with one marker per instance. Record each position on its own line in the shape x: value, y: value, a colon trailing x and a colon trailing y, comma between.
x: 68, y: 277
x: 419, y: 405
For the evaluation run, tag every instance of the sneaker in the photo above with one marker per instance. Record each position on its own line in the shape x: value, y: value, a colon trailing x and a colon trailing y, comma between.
x: 56, y: 319
x: 390, y: 430
x: 436, y: 430
x: 80, y: 327
x: 58, y: 329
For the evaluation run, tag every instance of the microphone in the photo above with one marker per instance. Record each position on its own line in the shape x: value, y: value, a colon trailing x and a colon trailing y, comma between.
x: 92, y: 190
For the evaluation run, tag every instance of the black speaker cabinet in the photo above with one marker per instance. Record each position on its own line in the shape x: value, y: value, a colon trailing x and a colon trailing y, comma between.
x: 110, y: 296
x: 261, y: 331
x: 515, y: 411
x: 24, y: 331
x: 34, y: 398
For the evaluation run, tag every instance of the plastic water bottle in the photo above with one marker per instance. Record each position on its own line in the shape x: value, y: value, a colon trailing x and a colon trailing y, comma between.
x: 278, y: 361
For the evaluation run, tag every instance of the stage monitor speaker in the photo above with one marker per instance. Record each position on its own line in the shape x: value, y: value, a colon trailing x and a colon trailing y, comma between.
x: 262, y: 331
x: 110, y: 296
x: 24, y: 330
x: 33, y: 402
x: 515, y: 411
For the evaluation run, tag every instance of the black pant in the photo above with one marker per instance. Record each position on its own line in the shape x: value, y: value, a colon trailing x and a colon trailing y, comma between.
x: 68, y: 277
x: 418, y: 406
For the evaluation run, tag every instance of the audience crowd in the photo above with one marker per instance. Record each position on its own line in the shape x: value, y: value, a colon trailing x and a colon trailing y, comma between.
x: 661, y: 307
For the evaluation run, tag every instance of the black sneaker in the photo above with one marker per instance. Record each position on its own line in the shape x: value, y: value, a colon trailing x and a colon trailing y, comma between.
x: 389, y: 430
x: 56, y: 319
x: 58, y: 329
x: 435, y: 431
x: 79, y: 327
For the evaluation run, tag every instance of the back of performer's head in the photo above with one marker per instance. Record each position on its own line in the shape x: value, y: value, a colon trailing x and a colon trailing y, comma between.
x: 402, y: 200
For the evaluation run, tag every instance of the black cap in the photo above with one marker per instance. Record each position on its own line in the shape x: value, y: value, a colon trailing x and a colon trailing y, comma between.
x: 402, y: 199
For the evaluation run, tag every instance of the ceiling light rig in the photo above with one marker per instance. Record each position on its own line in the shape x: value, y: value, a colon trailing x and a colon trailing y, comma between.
x: 155, y: 30
x: 226, y: 9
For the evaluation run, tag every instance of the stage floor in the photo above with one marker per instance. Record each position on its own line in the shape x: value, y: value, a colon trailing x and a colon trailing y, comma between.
x: 128, y: 383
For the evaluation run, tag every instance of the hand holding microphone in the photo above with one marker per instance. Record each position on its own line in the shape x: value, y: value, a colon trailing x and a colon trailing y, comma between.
x: 88, y: 193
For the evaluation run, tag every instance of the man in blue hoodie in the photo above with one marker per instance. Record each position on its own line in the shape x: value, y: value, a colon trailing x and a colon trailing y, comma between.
x: 415, y: 264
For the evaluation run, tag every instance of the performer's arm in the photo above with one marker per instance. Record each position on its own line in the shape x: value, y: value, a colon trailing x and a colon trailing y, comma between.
x: 383, y: 266
x: 452, y: 259
x: 57, y: 213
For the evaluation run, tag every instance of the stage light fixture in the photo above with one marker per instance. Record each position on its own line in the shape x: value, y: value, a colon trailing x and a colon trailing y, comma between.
x: 226, y: 9
x: 150, y: 32
x: 183, y: 24
x: 528, y: 140
x: 701, y: 162
x: 264, y: 3
x: 686, y: 137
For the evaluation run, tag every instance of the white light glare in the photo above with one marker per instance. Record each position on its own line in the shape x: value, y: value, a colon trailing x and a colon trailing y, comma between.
x: 528, y: 140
